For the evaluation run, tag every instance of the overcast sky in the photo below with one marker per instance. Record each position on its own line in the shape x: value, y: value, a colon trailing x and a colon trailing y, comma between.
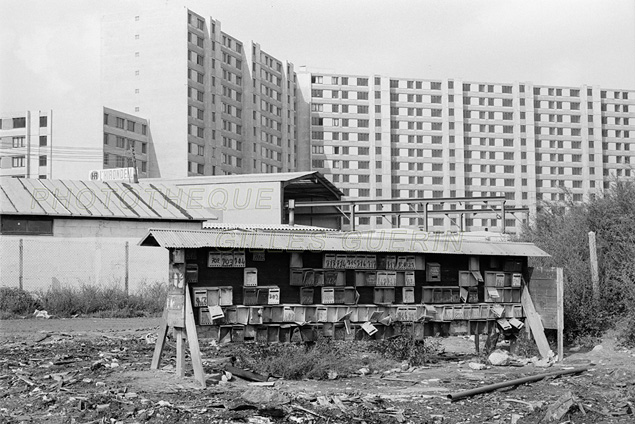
x: 49, y: 49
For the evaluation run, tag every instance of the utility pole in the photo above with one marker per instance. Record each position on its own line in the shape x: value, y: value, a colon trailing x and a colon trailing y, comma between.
x: 134, y: 164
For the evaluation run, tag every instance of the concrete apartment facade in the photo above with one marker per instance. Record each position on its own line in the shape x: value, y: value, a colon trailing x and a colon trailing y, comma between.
x: 217, y: 105
x: 26, y: 144
x: 69, y: 144
x: 379, y: 137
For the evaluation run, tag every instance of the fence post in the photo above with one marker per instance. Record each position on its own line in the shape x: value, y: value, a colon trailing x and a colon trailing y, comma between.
x: 593, y: 258
x: 21, y: 256
x: 127, y: 268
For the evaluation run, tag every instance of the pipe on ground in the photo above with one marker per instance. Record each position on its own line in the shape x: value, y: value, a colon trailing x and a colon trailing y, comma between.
x: 516, y: 382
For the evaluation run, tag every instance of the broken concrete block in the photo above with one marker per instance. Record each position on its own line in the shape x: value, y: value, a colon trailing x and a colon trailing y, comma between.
x: 499, y: 358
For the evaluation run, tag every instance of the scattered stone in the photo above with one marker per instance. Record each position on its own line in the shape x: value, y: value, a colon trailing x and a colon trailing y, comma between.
x: 559, y: 408
x: 363, y: 371
x: 498, y: 358
x: 477, y: 366
x: 543, y: 363
x: 260, y: 396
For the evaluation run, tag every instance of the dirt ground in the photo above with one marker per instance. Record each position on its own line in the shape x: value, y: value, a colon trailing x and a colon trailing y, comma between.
x: 98, y: 371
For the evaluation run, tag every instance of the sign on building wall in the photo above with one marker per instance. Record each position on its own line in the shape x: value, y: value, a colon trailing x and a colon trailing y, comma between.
x: 114, y: 174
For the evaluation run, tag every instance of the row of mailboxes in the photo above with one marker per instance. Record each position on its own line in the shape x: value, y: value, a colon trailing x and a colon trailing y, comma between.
x: 261, y: 295
x: 316, y: 277
x: 435, y: 294
x: 362, y: 261
x: 280, y: 314
x: 316, y: 313
x: 503, y: 279
x: 213, y: 296
x: 502, y: 294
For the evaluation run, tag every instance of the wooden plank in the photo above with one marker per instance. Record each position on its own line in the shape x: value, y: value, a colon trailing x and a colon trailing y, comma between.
x: 560, y: 313
x: 192, y: 339
x: 180, y: 354
x: 247, y: 375
x: 533, y: 319
x: 160, y: 344
x: 542, y: 288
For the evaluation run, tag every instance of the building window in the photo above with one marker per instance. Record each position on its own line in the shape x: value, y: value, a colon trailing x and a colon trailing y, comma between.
x: 18, y: 141
x: 17, y: 162
x: 22, y: 225
x: 43, y: 160
x: 131, y: 126
x: 43, y: 121
x: 19, y: 122
x: 43, y: 140
x: 120, y: 123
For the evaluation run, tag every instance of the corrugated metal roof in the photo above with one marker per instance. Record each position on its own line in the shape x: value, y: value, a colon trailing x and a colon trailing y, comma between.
x: 407, y: 241
x: 97, y: 199
x: 290, y: 179
x: 264, y: 227
x: 238, y: 178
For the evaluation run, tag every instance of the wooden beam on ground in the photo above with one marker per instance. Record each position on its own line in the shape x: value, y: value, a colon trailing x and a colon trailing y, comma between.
x: 192, y: 340
x: 247, y: 375
x: 535, y: 324
x: 160, y: 343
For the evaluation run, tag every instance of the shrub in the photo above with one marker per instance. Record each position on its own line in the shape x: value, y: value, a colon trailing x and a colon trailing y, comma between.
x: 14, y: 301
x: 626, y: 331
x: 295, y: 361
x: 104, y: 301
x: 561, y: 229
x: 404, y: 347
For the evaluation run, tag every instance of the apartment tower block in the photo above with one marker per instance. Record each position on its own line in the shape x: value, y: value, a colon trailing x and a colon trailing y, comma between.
x: 378, y: 137
x: 215, y: 105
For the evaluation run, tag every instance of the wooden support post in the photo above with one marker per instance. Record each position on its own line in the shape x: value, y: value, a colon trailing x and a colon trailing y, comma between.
x: 477, y: 342
x: 21, y: 266
x: 593, y: 258
x: 127, y: 272
x: 160, y: 344
x: 560, y: 311
x: 180, y: 354
x: 535, y: 323
x: 192, y: 339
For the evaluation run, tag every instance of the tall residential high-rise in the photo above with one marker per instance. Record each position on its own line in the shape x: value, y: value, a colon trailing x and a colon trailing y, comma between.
x: 216, y: 105
x: 380, y: 137
x: 69, y: 144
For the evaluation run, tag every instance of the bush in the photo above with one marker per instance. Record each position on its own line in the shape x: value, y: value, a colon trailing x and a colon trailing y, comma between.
x: 626, y: 331
x: 561, y: 229
x: 14, y: 301
x: 296, y: 361
x: 404, y: 347
x: 109, y: 301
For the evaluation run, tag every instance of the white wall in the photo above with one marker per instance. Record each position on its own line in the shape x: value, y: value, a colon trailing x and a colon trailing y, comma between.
x: 86, y: 251
x: 159, y: 36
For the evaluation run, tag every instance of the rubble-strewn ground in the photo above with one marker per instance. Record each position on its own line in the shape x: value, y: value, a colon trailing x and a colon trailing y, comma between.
x: 98, y: 371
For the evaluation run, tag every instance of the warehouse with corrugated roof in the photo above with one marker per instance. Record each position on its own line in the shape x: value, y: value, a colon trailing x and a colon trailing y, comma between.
x: 64, y: 232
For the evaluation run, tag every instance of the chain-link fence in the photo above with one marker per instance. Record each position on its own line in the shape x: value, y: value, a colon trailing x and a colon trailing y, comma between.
x: 40, y: 263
